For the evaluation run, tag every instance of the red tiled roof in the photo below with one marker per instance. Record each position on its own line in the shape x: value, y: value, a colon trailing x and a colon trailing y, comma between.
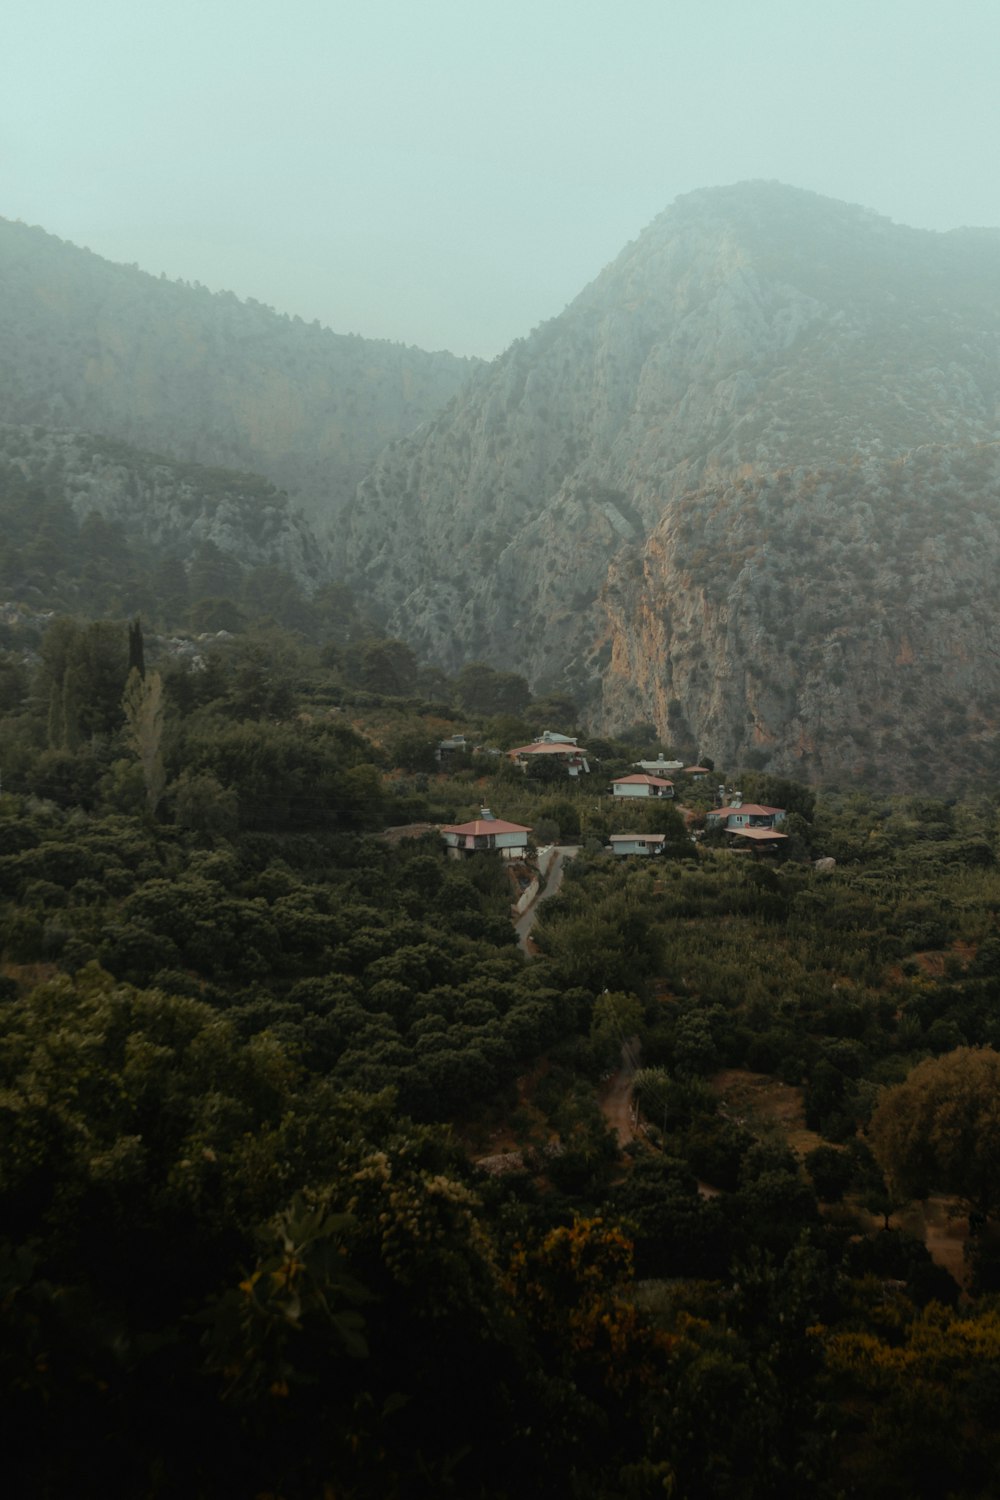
x: 638, y: 780
x: 753, y: 808
x: 483, y: 826
x: 543, y: 748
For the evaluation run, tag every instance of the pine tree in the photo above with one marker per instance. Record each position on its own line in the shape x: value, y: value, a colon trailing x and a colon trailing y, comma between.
x: 143, y: 705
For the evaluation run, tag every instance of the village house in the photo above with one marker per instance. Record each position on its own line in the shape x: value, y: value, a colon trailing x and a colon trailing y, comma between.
x: 484, y: 835
x: 641, y: 786
x: 739, y: 816
x: 638, y: 843
x: 750, y: 823
x: 659, y: 766
x: 697, y: 773
x: 557, y: 746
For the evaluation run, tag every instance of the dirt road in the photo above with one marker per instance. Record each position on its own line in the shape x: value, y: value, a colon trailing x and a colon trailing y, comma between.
x: 615, y: 1097
x: 526, y: 921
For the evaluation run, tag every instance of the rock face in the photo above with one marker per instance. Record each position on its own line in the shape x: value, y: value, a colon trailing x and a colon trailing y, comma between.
x: 89, y: 346
x: 834, y: 623
x: 742, y: 486
x: 165, y: 509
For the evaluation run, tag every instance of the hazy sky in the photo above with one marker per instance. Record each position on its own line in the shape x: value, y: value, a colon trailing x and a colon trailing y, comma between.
x: 449, y: 173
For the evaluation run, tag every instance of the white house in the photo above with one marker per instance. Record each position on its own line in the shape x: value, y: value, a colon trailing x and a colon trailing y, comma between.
x: 658, y: 766
x: 642, y: 786
x: 486, y: 834
x: 638, y: 843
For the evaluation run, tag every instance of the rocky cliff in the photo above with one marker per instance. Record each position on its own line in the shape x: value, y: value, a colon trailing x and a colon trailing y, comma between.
x: 836, y: 623
x: 758, y: 351
x: 203, y: 378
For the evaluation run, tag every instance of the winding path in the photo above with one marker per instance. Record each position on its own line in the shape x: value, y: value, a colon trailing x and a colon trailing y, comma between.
x: 526, y: 920
x: 616, y: 1096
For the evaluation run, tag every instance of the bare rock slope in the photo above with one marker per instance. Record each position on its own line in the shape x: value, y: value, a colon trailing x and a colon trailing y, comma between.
x: 744, y: 485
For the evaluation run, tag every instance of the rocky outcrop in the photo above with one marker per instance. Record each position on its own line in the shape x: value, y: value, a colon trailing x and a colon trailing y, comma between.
x: 749, y: 333
x: 830, y: 624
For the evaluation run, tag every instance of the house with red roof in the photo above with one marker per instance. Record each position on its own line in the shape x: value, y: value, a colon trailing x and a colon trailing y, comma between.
x: 750, y: 821
x: 484, y: 835
x: 559, y: 747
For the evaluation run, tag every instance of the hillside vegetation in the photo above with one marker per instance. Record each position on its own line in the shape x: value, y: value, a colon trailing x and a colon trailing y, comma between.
x: 305, y: 1182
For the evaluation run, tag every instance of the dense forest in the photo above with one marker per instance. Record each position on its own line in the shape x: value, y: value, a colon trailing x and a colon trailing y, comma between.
x: 308, y: 1185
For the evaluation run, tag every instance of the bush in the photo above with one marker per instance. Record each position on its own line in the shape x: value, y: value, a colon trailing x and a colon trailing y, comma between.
x: 831, y: 1171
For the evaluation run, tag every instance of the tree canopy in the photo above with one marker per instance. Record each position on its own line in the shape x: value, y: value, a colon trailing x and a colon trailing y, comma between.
x: 940, y: 1128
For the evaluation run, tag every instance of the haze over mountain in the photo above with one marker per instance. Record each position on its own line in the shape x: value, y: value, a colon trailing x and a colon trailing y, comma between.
x: 203, y: 378
x: 745, y: 486
x: 739, y: 487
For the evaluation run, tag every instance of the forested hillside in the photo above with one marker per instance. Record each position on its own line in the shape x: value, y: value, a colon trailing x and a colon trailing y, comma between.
x: 203, y: 378
x: 319, y: 1173
x: 306, y: 1184
x: 56, y: 486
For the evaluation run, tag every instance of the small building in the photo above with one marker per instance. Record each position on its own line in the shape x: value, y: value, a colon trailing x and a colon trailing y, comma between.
x: 741, y: 816
x: 453, y: 748
x: 638, y: 843
x: 659, y: 766
x: 759, y: 839
x: 697, y: 773
x: 641, y: 786
x: 484, y: 835
x: 560, y: 747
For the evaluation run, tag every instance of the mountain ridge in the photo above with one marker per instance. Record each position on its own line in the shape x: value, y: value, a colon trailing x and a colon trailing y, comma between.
x: 543, y: 512
x: 747, y: 331
x: 205, y: 377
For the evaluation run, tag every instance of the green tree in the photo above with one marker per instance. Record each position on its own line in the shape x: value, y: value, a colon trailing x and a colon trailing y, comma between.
x: 777, y: 791
x: 13, y: 683
x: 143, y: 705
x: 388, y: 667
x: 84, y: 668
x: 940, y: 1129
x: 615, y: 1020
x: 564, y: 814
x: 482, y: 690
x: 201, y: 802
x: 213, y: 574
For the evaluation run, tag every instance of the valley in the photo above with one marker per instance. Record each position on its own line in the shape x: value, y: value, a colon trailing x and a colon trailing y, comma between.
x: 330, y: 1168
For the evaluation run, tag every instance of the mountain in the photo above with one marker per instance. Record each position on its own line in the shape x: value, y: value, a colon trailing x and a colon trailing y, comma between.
x: 743, y: 486
x: 161, y: 508
x: 90, y: 346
